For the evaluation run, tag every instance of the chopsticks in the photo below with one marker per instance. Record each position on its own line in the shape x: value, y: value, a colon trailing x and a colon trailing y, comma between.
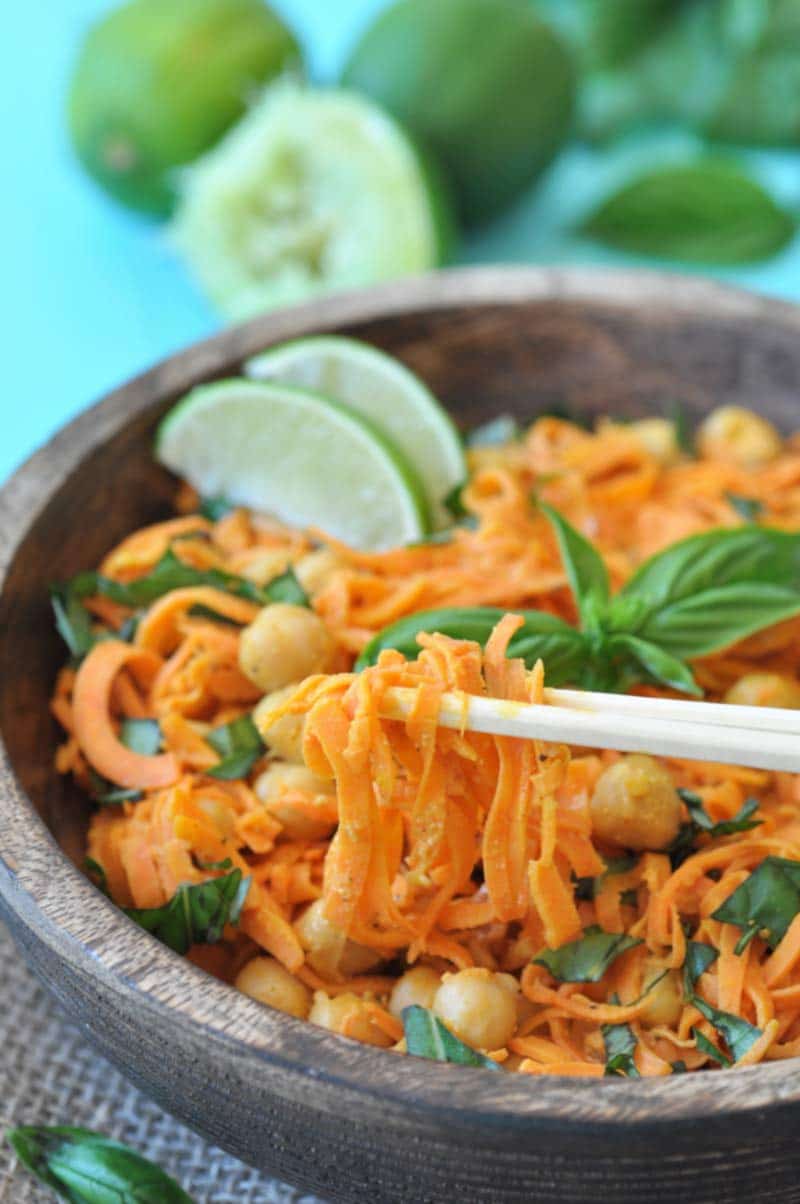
x: 757, y: 737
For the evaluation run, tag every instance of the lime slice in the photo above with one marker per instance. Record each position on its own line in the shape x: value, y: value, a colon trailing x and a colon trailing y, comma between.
x: 385, y: 392
x: 289, y: 452
x: 314, y: 190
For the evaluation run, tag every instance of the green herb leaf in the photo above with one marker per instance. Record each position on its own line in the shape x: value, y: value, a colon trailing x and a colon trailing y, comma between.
x: 171, y: 573
x: 196, y: 914
x: 749, y: 508
x: 97, y: 875
x: 141, y: 736
x: 707, y: 1047
x: 500, y: 430
x: 698, y: 958
x: 655, y: 664
x: 583, y: 564
x: 286, y: 588
x: 88, y: 1168
x: 679, y: 1067
x: 588, y: 958
x: 683, y: 431
x: 453, y: 503
x: 73, y: 621
x: 738, y: 1034
x: 765, y: 903
x: 215, y: 508
x: 427, y: 1037
x: 709, y: 211
x: 620, y: 1044
x: 741, y: 822
x: 239, y: 745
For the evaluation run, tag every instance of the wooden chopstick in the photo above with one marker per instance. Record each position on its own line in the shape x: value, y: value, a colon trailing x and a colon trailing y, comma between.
x: 619, y: 722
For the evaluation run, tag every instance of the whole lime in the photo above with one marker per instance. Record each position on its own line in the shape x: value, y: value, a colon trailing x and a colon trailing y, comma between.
x: 485, y: 83
x: 158, y: 82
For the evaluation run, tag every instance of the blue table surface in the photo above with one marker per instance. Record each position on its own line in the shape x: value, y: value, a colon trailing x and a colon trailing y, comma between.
x: 93, y: 294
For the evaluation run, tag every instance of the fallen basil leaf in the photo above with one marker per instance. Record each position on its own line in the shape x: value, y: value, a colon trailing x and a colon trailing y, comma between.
x: 738, y: 1034
x: 196, y: 914
x: 239, y: 745
x: 707, y: 1047
x: 766, y: 902
x: 698, y: 958
x: 496, y: 432
x: 88, y: 1168
x: 286, y: 588
x: 427, y: 1037
x: 748, y: 508
x: 588, y: 958
x: 582, y: 562
x: 710, y: 211
x: 172, y: 573
x: 620, y: 1044
x: 215, y: 508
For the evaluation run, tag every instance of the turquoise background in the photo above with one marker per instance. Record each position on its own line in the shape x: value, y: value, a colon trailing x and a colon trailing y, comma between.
x: 93, y: 294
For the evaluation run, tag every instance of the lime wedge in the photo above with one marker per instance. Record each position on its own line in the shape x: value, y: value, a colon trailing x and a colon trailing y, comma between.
x: 385, y: 392
x: 313, y: 190
x: 289, y: 452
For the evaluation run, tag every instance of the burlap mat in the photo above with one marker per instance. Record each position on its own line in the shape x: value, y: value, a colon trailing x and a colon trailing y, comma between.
x: 48, y: 1075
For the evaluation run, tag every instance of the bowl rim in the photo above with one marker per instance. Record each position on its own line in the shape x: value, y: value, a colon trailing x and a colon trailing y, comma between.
x: 78, y: 918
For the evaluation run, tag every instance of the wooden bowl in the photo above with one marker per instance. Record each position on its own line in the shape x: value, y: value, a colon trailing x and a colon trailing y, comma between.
x: 341, y: 1119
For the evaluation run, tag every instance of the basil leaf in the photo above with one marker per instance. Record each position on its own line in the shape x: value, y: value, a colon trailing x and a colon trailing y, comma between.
x: 658, y: 666
x: 683, y: 430
x: 765, y: 903
x: 707, y: 1047
x: 496, y: 432
x: 196, y: 914
x: 141, y: 736
x: 96, y: 875
x: 469, y: 522
x: 741, y: 822
x: 560, y: 646
x: 679, y: 1067
x: 73, y: 621
x: 427, y: 1037
x: 453, y: 503
x: 738, y: 1034
x: 199, y: 611
x: 108, y: 795
x: 620, y: 1044
x: 239, y: 745
x: 215, y: 508
x: 698, y: 958
x: 171, y: 573
x: 588, y: 958
x: 583, y: 564
x: 286, y: 588
x: 88, y: 1168
x: 717, y: 618
x: 710, y: 211
x: 748, y: 508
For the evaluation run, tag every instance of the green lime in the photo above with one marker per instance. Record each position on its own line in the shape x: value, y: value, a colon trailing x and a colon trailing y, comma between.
x: 485, y: 83
x: 385, y: 392
x: 292, y: 453
x: 314, y: 190
x: 158, y: 82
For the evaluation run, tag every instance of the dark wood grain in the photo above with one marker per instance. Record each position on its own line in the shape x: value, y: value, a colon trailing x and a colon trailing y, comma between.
x: 352, y: 1123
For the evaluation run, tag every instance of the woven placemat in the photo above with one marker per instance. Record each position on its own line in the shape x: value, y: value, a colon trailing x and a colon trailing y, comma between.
x: 49, y: 1075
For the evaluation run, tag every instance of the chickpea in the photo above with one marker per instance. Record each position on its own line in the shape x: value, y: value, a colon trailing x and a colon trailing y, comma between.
x: 267, y: 565
x: 315, y: 569
x: 765, y: 690
x: 327, y: 952
x: 635, y: 804
x: 418, y: 985
x: 658, y: 438
x: 739, y: 436
x: 276, y: 781
x: 346, y: 1014
x: 664, y: 1001
x: 284, y: 737
x: 284, y: 644
x: 269, y: 982
x: 479, y: 1006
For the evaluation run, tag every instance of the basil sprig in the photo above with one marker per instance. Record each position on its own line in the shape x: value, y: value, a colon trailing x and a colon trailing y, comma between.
x: 694, y: 598
x: 196, y: 914
x: 239, y: 745
x: 588, y: 958
x: 88, y: 1168
x: 765, y: 903
x: 427, y: 1037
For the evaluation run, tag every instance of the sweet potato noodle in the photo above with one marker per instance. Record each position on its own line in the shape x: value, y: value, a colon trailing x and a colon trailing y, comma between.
x: 398, y: 863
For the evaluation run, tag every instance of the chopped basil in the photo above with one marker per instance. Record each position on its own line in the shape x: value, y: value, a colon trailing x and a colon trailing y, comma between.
x: 172, y: 573
x: 199, y: 611
x: 73, y: 621
x: 738, y: 1034
x: 140, y: 735
x: 698, y: 958
x: 286, y: 588
x: 452, y: 501
x: 707, y: 1047
x: 108, y: 795
x: 683, y: 430
x: 620, y: 1044
x: 679, y: 1067
x: 766, y: 902
x: 239, y: 745
x: 588, y: 958
x: 215, y: 508
x: 87, y: 1168
x: 748, y: 508
x: 427, y: 1037
x: 500, y: 430
x: 703, y: 822
x: 196, y: 914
